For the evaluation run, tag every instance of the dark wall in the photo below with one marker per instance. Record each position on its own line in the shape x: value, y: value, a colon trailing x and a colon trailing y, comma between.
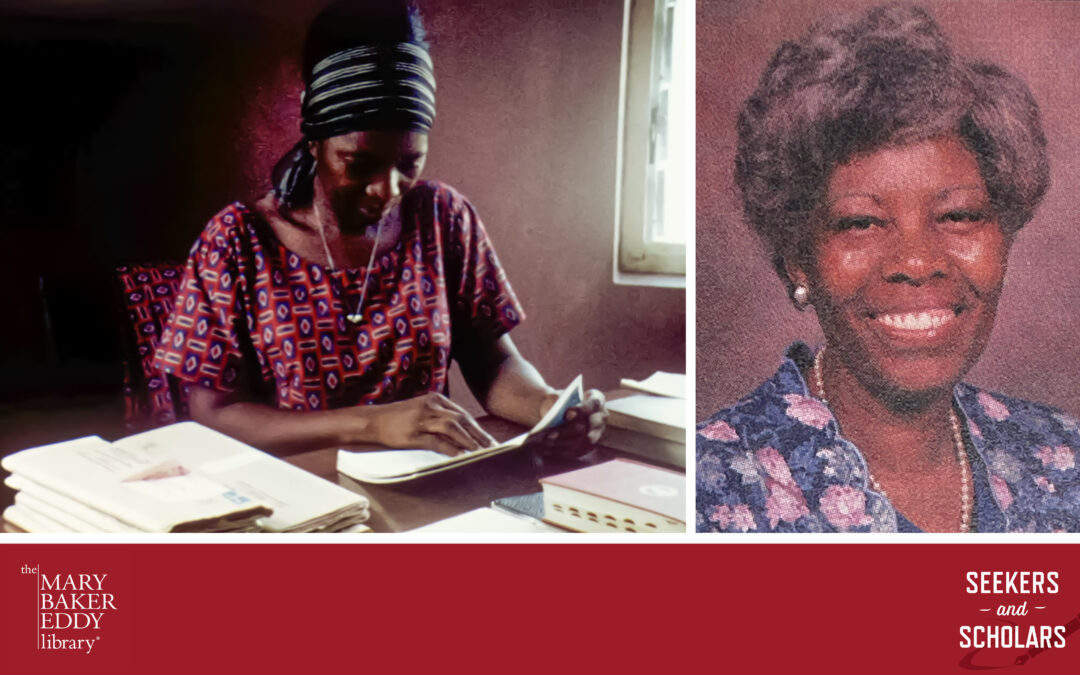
x: 744, y: 320
x: 117, y: 140
x: 130, y: 124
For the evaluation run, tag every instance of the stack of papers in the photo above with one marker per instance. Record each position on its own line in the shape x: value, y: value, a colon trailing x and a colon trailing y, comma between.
x: 652, y: 424
x: 395, y: 466
x: 672, y: 385
x: 656, y: 416
x: 180, y: 478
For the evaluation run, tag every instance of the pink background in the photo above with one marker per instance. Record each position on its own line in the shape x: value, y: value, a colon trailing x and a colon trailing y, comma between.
x: 744, y: 320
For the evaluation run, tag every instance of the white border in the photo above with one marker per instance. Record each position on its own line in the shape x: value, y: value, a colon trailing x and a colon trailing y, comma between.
x: 579, y: 538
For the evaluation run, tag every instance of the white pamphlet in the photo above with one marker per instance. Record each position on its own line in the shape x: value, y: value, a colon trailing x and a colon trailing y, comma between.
x: 395, y: 466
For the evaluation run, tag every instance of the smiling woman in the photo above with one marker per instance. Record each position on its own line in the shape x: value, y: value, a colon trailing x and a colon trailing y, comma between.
x: 888, y: 178
x: 906, y: 263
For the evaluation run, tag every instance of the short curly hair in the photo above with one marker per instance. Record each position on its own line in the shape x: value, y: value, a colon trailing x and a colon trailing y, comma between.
x: 859, y: 82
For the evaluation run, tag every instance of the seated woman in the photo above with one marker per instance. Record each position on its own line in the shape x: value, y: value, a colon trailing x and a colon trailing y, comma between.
x: 327, y: 313
x: 888, y: 178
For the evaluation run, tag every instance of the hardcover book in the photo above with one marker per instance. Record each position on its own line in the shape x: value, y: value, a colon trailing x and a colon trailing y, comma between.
x: 617, y: 496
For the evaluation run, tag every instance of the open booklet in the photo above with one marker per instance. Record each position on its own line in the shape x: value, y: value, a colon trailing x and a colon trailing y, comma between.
x: 181, y: 478
x: 396, y: 466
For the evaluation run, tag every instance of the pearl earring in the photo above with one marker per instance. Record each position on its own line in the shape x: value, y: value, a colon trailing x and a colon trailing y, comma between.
x: 801, y: 296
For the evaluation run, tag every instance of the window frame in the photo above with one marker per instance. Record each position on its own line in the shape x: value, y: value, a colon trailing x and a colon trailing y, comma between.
x: 636, y: 260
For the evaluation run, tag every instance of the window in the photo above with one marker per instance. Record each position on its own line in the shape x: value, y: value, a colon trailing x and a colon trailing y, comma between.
x: 655, y: 194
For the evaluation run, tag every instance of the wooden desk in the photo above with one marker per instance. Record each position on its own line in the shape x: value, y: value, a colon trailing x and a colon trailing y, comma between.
x: 405, y: 506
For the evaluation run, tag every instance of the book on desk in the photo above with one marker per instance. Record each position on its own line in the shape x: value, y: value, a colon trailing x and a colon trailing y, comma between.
x: 651, y: 424
x: 617, y: 496
x: 180, y: 478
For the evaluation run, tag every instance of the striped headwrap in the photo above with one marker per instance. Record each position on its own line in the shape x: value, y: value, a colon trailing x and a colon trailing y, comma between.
x: 383, y: 86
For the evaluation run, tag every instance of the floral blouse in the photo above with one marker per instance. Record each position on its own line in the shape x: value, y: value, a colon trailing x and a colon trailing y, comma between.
x: 776, y: 462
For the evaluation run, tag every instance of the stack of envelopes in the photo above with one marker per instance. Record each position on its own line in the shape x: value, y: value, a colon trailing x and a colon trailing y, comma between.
x: 180, y: 478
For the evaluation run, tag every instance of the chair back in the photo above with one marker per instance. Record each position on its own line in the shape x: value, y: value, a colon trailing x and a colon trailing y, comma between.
x: 147, y: 291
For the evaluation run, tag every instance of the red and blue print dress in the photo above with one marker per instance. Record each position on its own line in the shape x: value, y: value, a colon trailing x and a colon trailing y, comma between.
x: 253, y: 315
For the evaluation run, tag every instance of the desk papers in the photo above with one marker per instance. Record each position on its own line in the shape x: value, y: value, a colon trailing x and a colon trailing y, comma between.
x: 395, y: 466
x: 659, y: 383
x: 487, y: 520
x: 657, y: 416
x: 653, y: 427
x: 181, y: 478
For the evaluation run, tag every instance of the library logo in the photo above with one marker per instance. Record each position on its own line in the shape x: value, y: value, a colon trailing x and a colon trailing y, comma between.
x: 72, y: 609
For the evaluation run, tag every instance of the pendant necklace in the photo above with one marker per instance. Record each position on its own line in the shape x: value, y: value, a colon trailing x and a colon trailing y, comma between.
x: 958, y: 443
x: 356, y: 316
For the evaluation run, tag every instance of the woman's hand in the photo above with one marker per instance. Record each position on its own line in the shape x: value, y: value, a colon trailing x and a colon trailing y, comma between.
x: 582, y: 430
x: 512, y: 388
x: 429, y: 421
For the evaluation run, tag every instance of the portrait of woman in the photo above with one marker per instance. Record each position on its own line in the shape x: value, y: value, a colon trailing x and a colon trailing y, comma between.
x: 328, y: 312
x: 888, y: 175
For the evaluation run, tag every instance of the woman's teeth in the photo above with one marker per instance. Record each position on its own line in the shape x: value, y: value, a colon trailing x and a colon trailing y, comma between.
x: 925, y: 320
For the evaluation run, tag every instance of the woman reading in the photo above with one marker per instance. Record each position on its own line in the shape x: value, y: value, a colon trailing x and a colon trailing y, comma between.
x: 328, y: 312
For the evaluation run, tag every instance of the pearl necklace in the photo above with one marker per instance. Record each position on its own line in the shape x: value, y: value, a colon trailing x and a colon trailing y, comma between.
x: 958, y: 443
x: 356, y: 316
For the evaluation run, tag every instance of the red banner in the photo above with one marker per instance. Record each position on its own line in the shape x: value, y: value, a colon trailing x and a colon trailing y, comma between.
x: 836, y: 608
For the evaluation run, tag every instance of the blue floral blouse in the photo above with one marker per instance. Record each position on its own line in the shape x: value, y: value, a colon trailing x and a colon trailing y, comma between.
x: 776, y: 462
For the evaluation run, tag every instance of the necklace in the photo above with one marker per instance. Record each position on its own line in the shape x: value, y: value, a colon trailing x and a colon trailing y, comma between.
x: 958, y: 444
x: 356, y: 316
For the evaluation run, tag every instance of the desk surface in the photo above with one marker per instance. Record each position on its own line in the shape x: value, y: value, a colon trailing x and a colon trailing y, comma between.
x: 405, y: 506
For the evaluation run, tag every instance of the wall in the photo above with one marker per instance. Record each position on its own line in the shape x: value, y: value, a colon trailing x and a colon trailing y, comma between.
x: 528, y: 109
x: 744, y: 320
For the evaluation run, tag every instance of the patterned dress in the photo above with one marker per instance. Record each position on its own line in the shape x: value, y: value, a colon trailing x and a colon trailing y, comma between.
x: 776, y: 462
x: 251, y: 313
